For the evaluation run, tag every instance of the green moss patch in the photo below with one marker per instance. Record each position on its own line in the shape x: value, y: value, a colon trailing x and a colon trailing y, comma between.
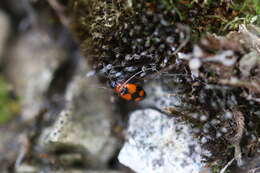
x: 8, y: 105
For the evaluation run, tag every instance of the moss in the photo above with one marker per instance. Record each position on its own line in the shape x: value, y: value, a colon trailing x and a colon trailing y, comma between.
x: 107, y: 30
x: 112, y: 32
x: 120, y: 35
x: 8, y: 106
x: 247, y: 7
x: 256, y: 6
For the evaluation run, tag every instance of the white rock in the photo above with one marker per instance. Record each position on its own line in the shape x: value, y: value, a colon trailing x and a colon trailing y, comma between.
x: 158, y: 144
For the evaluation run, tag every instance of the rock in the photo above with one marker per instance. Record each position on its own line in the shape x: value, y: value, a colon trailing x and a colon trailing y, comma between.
x: 88, y: 171
x: 13, y: 145
x: 248, y: 35
x: 85, y: 123
x: 30, y: 64
x: 25, y: 168
x: 8, y: 152
x: 248, y: 63
x: 158, y: 96
x: 4, y: 32
x: 159, y: 144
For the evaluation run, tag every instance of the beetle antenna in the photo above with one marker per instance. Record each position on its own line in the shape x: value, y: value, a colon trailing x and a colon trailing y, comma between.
x: 136, y: 75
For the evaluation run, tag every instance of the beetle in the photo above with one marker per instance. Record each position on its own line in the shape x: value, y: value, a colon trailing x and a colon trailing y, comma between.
x: 128, y: 91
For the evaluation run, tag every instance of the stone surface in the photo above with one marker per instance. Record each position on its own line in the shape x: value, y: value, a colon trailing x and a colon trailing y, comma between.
x: 248, y: 63
x: 4, y: 32
x: 85, y: 122
x: 9, y: 147
x: 31, y: 61
x: 87, y: 171
x: 158, y: 144
x: 159, y: 95
x: 25, y: 168
x: 248, y: 35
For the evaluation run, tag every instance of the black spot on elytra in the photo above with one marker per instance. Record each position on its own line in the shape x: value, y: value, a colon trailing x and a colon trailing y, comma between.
x: 138, y: 88
x: 135, y: 95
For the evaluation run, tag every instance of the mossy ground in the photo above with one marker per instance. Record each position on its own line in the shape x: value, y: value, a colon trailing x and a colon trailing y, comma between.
x: 120, y: 38
x: 110, y: 30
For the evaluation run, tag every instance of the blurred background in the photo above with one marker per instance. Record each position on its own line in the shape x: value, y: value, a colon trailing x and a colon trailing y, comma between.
x: 58, y: 115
